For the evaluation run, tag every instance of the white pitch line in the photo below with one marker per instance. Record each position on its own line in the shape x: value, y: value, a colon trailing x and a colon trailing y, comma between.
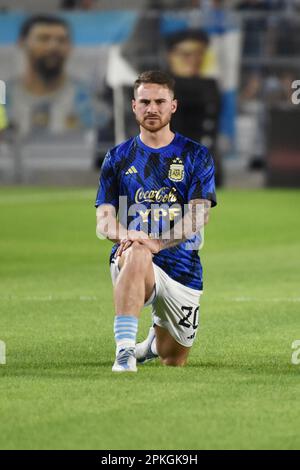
x: 92, y: 298
x: 275, y: 299
x: 46, y: 197
x: 48, y: 298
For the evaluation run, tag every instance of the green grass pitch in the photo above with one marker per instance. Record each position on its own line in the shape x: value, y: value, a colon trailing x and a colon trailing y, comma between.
x: 239, y: 391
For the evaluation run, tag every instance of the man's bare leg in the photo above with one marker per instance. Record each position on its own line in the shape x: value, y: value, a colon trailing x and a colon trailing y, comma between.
x: 170, y: 352
x: 133, y: 287
x: 135, y: 282
x: 159, y: 343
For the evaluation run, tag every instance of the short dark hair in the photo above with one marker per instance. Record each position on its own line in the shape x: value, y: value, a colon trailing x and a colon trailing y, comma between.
x: 195, y: 35
x: 32, y: 21
x: 157, y: 77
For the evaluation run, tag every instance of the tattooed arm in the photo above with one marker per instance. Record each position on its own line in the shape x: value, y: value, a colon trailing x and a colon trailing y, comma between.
x: 186, y: 228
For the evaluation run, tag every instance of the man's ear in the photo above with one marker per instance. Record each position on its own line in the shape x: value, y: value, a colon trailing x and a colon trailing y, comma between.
x: 174, y: 106
x: 133, y: 105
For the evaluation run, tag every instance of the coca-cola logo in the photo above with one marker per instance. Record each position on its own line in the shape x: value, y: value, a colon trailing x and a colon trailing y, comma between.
x: 162, y: 195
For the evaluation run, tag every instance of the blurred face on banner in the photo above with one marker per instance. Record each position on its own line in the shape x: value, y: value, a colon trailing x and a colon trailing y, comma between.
x: 153, y: 106
x: 47, y: 48
x: 186, y: 58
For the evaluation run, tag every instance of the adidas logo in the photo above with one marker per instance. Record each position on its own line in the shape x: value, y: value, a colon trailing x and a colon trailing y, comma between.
x: 131, y: 171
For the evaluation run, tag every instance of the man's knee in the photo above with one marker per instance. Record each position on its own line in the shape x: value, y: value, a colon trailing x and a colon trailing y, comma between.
x: 174, y: 361
x: 171, y: 353
x: 138, y: 256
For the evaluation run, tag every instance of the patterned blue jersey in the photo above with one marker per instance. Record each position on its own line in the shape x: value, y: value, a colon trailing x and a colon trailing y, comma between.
x: 155, y: 181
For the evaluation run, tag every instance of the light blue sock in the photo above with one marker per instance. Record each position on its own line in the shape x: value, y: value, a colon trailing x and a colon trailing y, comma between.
x: 125, y: 329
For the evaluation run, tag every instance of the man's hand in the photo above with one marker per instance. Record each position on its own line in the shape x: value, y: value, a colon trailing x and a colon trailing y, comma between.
x: 131, y: 236
x: 140, y: 237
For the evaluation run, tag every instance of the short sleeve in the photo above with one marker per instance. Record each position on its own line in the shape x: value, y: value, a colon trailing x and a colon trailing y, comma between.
x: 108, y: 186
x: 203, y: 179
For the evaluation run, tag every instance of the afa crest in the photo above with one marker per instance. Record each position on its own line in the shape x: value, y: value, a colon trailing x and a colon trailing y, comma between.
x: 176, y: 171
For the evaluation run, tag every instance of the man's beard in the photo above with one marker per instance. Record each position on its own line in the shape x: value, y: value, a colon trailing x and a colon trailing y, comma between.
x: 156, y: 125
x: 49, y: 68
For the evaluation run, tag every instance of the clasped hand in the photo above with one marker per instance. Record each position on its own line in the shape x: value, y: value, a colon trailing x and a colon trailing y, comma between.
x: 154, y: 245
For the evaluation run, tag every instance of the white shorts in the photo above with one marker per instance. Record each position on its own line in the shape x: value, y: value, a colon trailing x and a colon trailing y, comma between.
x: 174, y: 306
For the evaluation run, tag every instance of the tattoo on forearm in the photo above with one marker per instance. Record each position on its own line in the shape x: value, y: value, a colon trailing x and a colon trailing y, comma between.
x: 192, y: 223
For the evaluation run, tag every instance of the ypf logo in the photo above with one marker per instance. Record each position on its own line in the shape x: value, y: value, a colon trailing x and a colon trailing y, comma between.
x: 2, y: 92
x: 296, y: 94
x: 2, y: 353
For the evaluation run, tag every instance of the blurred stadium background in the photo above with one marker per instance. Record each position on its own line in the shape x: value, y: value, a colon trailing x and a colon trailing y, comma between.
x: 235, y: 62
x: 236, y: 89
